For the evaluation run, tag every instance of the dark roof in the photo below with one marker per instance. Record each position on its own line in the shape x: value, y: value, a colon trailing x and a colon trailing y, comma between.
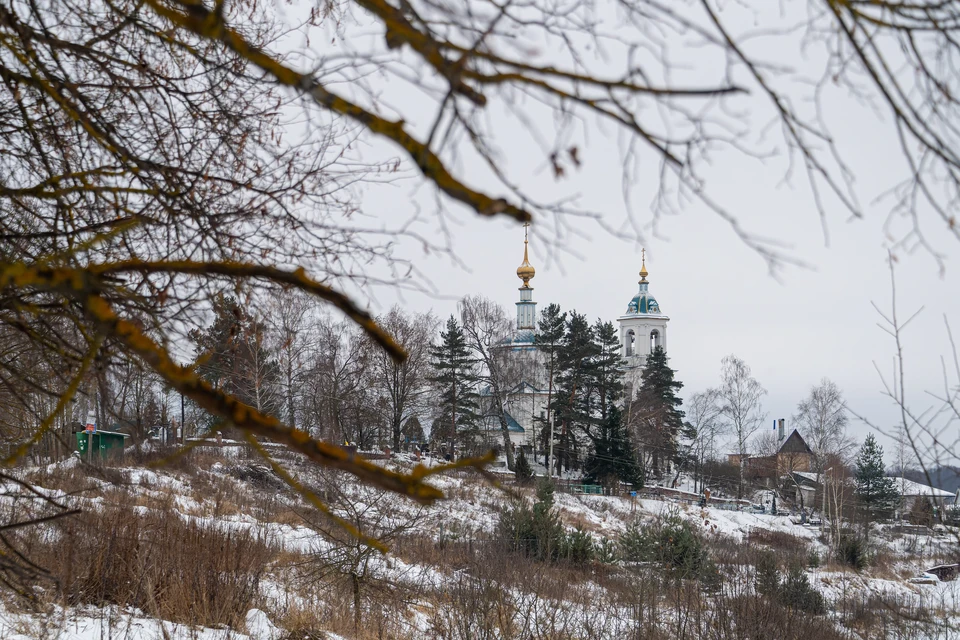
x: 512, y: 425
x: 794, y: 444
x: 492, y: 423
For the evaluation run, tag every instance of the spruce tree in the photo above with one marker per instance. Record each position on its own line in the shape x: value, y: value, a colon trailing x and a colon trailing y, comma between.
x: 657, y: 410
x: 455, y: 378
x: 876, y: 492
x: 606, y: 370
x: 522, y: 472
x: 572, y: 400
x: 550, y: 331
x: 235, y: 356
x: 613, y: 459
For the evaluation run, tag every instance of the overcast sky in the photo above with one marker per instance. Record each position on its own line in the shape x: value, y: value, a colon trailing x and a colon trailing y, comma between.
x: 808, y: 323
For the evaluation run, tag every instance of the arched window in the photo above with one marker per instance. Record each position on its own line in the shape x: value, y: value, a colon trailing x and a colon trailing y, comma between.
x: 654, y: 340
x: 631, y: 342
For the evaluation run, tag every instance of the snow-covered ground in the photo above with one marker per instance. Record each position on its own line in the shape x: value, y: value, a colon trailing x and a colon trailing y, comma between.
x: 471, y: 511
x: 112, y: 623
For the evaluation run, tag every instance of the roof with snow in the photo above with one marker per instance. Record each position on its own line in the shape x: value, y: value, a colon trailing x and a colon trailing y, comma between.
x: 911, y: 488
x: 904, y: 487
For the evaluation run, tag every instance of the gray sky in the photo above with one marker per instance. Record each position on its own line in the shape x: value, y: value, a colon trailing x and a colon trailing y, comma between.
x: 811, y: 322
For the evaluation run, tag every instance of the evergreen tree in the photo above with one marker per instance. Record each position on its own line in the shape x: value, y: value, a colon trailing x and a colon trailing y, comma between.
x: 613, y: 459
x: 550, y: 331
x: 657, y: 410
x: 606, y: 369
x: 876, y: 492
x: 456, y: 380
x: 522, y: 472
x: 234, y: 356
x: 413, y: 432
x: 572, y: 400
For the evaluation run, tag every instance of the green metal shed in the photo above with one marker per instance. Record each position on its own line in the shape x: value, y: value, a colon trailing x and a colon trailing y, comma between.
x: 105, y: 443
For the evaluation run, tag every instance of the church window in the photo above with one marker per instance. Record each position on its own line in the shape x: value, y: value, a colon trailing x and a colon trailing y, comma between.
x: 654, y: 340
x: 631, y: 342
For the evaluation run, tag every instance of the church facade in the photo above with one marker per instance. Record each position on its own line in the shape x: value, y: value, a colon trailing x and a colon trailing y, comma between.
x: 643, y: 327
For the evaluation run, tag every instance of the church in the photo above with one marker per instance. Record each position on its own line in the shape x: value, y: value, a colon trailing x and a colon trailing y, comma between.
x: 643, y: 327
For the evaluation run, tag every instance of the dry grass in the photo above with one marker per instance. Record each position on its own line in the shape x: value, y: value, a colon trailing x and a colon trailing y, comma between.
x: 140, y: 548
x: 154, y: 560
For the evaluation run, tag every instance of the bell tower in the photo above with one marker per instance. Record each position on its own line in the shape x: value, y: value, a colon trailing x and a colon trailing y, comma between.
x: 642, y: 328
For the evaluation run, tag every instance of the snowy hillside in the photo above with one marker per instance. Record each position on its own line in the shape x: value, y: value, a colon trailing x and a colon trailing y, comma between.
x: 449, y: 572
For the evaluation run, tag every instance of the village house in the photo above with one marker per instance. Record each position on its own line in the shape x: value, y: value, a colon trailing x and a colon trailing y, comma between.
x: 793, y: 455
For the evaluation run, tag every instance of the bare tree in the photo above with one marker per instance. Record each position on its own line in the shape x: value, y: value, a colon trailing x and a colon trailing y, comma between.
x: 488, y: 330
x: 928, y: 436
x: 357, y: 516
x: 288, y: 316
x: 822, y: 420
x: 702, y: 412
x: 337, y: 375
x: 766, y: 444
x: 741, y: 407
x: 403, y: 386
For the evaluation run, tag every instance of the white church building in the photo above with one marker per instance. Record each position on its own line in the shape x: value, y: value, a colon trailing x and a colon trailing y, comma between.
x: 643, y: 327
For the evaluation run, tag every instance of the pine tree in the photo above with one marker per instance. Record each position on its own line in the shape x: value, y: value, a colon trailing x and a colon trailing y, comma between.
x: 550, y: 332
x: 657, y: 410
x: 876, y: 492
x: 235, y: 358
x: 613, y: 459
x: 606, y: 370
x: 455, y: 378
x: 572, y: 400
x: 522, y: 472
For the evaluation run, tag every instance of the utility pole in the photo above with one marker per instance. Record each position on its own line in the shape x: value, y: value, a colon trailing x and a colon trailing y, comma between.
x: 823, y: 510
x: 550, y: 465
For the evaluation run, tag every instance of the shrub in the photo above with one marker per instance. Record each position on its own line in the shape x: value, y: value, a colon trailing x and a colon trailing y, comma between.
x: 793, y: 590
x: 606, y: 551
x: 710, y: 577
x: 852, y: 551
x: 636, y: 544
x: 921, y: 513
x: 536, y: 531
x: 796, y: 592
x: 680, y: 545
x: 522, y: 470
x: 670, y: 539
x: 154, y: 560
x: 578, y: 547
x: 767, y: 580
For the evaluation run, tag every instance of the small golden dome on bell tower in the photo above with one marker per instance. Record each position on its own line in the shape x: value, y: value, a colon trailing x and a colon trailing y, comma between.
x: 526, y: 271
x: 643, y: 267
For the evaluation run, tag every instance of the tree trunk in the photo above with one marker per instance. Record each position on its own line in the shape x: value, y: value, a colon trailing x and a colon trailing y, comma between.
x: 355, y: 580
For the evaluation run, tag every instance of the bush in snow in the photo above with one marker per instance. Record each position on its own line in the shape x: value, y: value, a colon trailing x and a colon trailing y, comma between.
x: 533, y: 531
x: 669, y: 539
x: 578, y: 547
x: 852, y: 550
x: 792, y: 590
x: 795, y: 591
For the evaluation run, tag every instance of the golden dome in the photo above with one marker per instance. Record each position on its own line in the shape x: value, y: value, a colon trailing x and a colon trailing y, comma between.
x: 526, y: 271
x: 643, y: 268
